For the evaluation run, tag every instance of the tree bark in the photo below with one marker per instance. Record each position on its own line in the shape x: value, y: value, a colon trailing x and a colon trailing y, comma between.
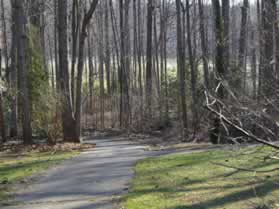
x: 2, y: 116
x: 75, y: 31
x: 242, y: 43
x: 149, y: 60
x: 226, y: 31
x: 14, y: 81
x: 124, y: 64
x: 181, y: 68
x: 22, y: 69
x: 107, y: 48
x: 68, y: 121
x: 192, y: 66
x: 268, y: 44
x: 205, y: 57
x: 82, y: 37
x: 5, y: 40
x: 219, y: 46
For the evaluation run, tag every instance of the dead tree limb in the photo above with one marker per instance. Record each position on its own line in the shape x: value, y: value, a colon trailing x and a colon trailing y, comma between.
x: 227, y: 121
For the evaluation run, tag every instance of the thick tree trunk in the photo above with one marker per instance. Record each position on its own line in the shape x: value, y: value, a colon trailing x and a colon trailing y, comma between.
x: 181, y: 68
x: 193, y: 67
x: 215, y: 132
x: 68, y: 122
x: 22, y: 69
x: 268, y: 44
x: 219, y: 50
x: 242, y: 43
x: 5, y: 40
x: 14, y: 81
x: 124, y: 64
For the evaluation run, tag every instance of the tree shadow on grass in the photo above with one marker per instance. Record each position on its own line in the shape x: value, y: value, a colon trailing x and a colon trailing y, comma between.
x: 260, y: 191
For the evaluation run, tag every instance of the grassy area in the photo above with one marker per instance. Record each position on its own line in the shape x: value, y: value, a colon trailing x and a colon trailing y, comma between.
x: 14, y: 168
x: 196, y: 182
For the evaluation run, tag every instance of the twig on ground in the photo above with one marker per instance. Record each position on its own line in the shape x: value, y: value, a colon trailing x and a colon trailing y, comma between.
x: 245, y: 169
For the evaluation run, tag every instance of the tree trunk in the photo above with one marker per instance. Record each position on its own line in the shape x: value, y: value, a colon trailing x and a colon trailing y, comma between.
x: 259, y: 27
x: 102, y: 58
x: 242, y: 43
x: 22, y: 69
x: 254, y: 64
x: 124, y: 64
x: 140, y: 53
x: 68, y: 121
x: 82, y: 37
x: 2, y: 116
x: 91, y: 72
x: 75, y: 31
x: 5, y: 40
x: 193, y: 68
x: 215, y: 132
x: 268, y: 44
x: 226, y: 31
x: 14, y: 81
x: 219, y: 40
x: 107, y: 48
x: 205, y: 57
x: 181, y: 68
x: 149, y: 60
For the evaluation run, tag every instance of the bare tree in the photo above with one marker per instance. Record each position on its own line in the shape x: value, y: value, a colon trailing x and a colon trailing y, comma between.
x: 68, y: 121
x: 14, y: 80
x: 82, y: 37
x: 226, y: 31
x: 205, y: 56
x: 242, y: 41
x: 181, y: 68
x: 2, y: 116
x: 5, y: 39
x: 21, y: 33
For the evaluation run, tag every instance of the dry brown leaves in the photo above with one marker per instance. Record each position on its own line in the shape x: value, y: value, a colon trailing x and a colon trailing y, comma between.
x: 59, y: 147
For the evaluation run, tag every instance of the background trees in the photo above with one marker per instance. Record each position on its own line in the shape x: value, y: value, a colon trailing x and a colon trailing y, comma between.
x: 138, y: 66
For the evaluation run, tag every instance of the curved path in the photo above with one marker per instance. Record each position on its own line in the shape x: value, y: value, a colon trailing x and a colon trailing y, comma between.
x: 93, y: 180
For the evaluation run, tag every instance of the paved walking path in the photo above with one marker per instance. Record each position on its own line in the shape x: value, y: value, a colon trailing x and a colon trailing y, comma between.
x: 93, y: 180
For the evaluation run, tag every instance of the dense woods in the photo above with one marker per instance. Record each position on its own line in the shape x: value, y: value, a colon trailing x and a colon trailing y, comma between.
x: 195, y: 68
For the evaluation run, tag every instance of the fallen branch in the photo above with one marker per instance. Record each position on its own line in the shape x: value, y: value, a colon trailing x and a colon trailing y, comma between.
x: 245, y: 169
x: 244, y: 132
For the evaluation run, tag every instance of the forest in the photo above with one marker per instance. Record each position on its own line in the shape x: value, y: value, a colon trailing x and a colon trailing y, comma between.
x: 166, y: 77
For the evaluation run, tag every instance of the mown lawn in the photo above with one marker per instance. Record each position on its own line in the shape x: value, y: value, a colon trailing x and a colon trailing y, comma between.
x: 195, y: 182
x: 15, y: 168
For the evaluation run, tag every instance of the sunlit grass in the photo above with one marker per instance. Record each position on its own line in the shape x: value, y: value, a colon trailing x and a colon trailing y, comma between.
x: 193, y: 181
x: 15, y: 168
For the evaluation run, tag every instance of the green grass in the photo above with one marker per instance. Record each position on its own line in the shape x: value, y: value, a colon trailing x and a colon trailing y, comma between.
x: 14, y: 168
x: 193, y: 182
